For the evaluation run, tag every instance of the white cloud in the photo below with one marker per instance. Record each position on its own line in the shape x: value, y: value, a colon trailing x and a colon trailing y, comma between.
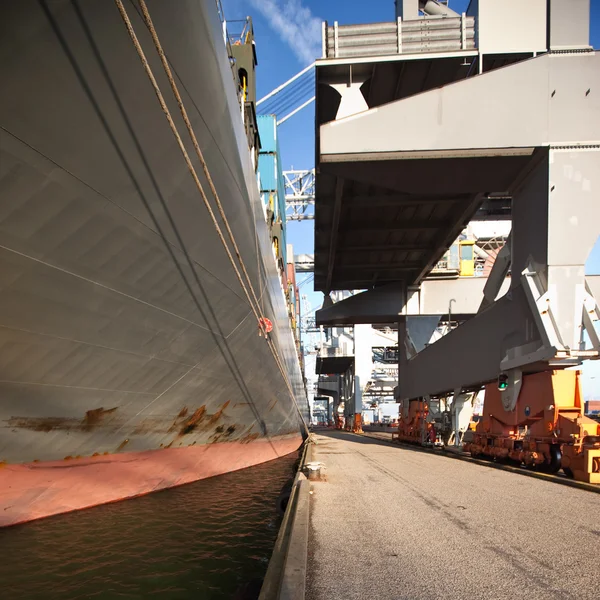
x: 295, y: 24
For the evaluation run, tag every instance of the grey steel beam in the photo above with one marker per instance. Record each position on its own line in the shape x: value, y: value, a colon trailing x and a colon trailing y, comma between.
x: 539, y: 325
x: 387, y: 248
x: 461, y: 218
x: 395, y: 200
x: 432, y: 298
x: 362, y: 283
x: 380, y: 266
x: 497, y: 275
x: 569, y: 24
x: 381, y: 305
x: 339, y: 188
x: 405, y: 225
x: 528, y: 113
x: 304, y: 263
x: 300, y: 217
x: 472, y: 353
x: 593, y: 282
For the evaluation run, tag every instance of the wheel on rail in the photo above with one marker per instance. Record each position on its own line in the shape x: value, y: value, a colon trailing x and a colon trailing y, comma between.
x: 555, y: 460
x: 568, y: 472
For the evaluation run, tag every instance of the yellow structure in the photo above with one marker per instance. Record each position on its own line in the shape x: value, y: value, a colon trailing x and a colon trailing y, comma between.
x: 467, y: 258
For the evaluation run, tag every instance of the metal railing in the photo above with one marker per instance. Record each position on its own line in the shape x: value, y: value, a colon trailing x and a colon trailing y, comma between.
x: 240, y: 31
x: 437, y: 34
x: 332, y: 352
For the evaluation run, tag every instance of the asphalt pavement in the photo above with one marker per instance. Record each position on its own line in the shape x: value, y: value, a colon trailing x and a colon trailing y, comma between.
x: 390, y: 522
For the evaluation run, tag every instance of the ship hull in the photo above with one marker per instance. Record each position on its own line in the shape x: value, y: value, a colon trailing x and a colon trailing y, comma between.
x: 36, y: 490
x: 123, y: 327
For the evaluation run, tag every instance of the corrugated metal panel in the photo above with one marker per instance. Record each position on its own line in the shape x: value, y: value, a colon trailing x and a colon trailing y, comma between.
x: 267, y: 166
x: 270, y: 169
x: 280, y: 188
x: 267, y: 129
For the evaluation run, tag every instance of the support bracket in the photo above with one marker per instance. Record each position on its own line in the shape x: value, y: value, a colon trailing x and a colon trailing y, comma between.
x: 511, y: 394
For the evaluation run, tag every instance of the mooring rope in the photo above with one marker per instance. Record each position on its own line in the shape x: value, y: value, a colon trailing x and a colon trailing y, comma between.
x: 251, y: 299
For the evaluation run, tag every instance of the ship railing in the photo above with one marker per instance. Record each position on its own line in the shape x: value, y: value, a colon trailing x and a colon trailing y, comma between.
x: 221, y: 14
x: 332, y: 352
x: 240, y: 31
x: 226, y: 39
x: 434, y: 34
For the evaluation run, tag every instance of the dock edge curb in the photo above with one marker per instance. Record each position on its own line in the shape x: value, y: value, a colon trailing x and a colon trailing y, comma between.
x: 286, y: 574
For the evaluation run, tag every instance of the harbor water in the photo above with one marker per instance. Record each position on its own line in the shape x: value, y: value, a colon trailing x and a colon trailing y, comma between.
x: 207, y: 540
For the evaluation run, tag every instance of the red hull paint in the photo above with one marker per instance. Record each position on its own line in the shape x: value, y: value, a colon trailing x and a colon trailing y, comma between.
x: 35, y: 490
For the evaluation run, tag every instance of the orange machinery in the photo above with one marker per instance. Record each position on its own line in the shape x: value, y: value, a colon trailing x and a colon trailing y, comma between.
x: 546, y: 430
x: 413, y: 426
x: 354, y: 425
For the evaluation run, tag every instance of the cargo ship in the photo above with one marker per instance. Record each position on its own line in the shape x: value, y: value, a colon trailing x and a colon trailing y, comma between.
x: 144, y: 344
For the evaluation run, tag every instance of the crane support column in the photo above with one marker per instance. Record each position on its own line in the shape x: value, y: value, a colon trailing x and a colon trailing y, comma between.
x: 540, y: 323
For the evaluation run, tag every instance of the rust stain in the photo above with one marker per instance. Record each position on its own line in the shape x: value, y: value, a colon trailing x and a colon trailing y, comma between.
x: 230, y: 429
x: 42, y: 423
x: 68, y: 457
x: 94, y: 416
x: 192, y: 422
x: 220, y: 429
x: 183, y: 412
x: 36, y: 460
x: 3, y: 463
x: 105, y: 453
x: 169, y: 444
x: 46, y: 424
x: 249, y: 438
x: 151, y: 425
x: 96, y: 454
x: 273, y: 405
x: 214, y: 418
x: 122, y: 445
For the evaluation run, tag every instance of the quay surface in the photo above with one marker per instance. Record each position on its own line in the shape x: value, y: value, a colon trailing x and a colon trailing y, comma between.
x: 391, y: 522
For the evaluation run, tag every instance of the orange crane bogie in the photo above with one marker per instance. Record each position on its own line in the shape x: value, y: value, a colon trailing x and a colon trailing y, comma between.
x: 546, y: 430
x: 413, y: 427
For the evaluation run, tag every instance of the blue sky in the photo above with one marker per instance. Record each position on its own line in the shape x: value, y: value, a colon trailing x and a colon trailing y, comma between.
x: 288, y: 35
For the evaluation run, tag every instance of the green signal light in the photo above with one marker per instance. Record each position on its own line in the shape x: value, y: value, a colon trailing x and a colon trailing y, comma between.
x: 502, y: 382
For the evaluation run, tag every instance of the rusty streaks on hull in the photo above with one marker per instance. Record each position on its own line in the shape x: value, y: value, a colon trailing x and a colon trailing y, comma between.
x: 95, y: 416
x: 192, y: 422
x: 153, y: 425
x: 91, y: 419
x: 43, y: 423
x: 249, y: 438
x: 122, y: 445
x: 214, y: 418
